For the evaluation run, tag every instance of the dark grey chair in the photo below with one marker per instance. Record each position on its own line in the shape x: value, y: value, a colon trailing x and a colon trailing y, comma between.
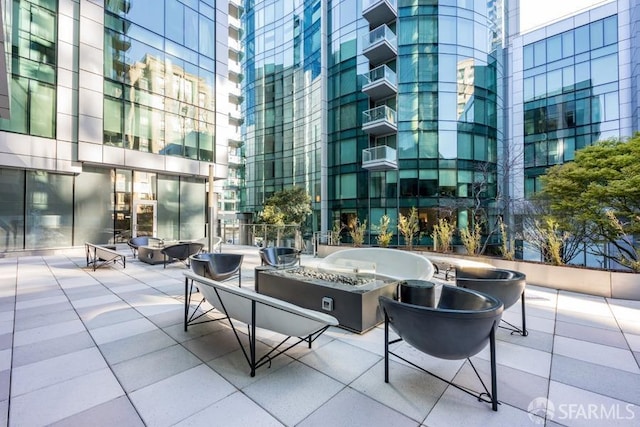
x: 279, y: 257
x: 135, y: 242
x: 217, y: 266
x: 459, y: 327
x: 181, y: 252
x: 506, y: 285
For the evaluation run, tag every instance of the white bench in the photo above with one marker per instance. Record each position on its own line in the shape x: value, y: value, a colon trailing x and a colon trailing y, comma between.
x: 98, y: 255
x: 393, y: 263
x: 257, y: 311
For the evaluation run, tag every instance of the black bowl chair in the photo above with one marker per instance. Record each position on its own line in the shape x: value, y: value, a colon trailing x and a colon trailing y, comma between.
x: 279, y: 257
x: 506, y: 285
x: 461, y: 325
x: 215, y: 266
x: 181, y: 252
x: 135, y: 242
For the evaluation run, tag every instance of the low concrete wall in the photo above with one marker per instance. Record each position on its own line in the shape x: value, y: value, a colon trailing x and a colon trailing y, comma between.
x: 609, y: 284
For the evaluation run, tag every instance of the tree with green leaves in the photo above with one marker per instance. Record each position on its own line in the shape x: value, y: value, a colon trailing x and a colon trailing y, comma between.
x: 598, y: 196
x: 290, y: 206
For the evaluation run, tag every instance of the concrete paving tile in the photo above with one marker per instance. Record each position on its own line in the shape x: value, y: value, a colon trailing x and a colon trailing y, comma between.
x: 147, y: 369
x: 542, y: 341
x: 28, y: 378
x: 37, y: 320
x: 577, y: 407
x: 302, y: 390
x: 235, y: 410
x: 5, y: 359
x: 116, y: 412
x: 177, y: 397
x: 5, y: 384
x: 604, y: 380
x: 457, y: 408
x: 128, y: 348
x: 339, y: 411
x: 214, y: 345
x: 353, y: 360
x: 43, y: 333
x: 595, y: 335
x: 41, y: 350
x: 530, y: 360
x: 94, y: 300
x: 596, y: 353
x: 121, y: 330
x: 409, y: 391
x: 59, y: 401
x: 108, y: 314
x: 39, y: 302
x: 633, y: 341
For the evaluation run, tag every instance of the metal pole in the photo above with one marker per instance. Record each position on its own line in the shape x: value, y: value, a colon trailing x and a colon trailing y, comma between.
x: 211, y: 208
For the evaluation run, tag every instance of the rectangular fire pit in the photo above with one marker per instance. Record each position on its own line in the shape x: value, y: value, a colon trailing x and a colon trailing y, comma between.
x: 354, y: 305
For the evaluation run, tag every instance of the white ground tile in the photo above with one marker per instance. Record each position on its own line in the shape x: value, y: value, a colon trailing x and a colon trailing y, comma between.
x: 353, y: 360
x: 572, y: 302
x: 121, y: 330
x: 93, y: 301
x: 634, y: 341
x: 577, y: 407
x: 236, y: 410
x: 108, y: 314
x: 372, y: 341
x: 5, y: 359
x: 409, y: 391
x: 39, y: 302
x: 446, y: 369
x: 180, y: 396
x: 135, y: 346
x: 42, y: 333
x: 47, y: 405
x: 457, y: 408
x: 77, y: 282
x: 591, y: 334
x: 596, y: 353
x: 301, y: 391
x: 41, y: 374
x: 518, y: 357
x: 625, y: 309
x: 352, y: 409
x: 603, y: 322
x: 6, y: 327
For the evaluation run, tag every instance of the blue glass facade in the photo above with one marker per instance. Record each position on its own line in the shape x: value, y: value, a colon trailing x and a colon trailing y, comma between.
x: 571, y: 95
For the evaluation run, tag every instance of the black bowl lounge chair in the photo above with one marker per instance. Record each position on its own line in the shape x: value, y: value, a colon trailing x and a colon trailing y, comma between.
x: 279, y: 257
x: 135, y: 242
x: 217, y: 266
x: 181, y: 252
x: 461, y: 325
x: 506, y: 285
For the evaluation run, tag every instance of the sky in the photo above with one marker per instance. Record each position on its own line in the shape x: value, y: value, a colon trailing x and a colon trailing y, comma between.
x: 534, y: 13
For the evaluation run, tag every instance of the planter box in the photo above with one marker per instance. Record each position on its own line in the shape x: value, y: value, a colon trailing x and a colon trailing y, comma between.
x: 604, y: 283
x: 355, y: 307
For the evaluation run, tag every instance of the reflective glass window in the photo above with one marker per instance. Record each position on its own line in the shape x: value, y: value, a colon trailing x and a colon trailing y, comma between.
x: 567, y: 44
x: 554, y: 48
x: 610, y: 30
x: 50, y: 205
x: 597, y: 34
x: 12, y: 194
x: 604, y: 70
x: 527, y: 52
x: 539, y: 53
x: 582, y: 39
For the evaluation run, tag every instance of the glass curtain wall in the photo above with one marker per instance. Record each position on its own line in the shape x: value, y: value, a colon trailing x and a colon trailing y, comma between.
x: 283, y: 89
x: 49, y: 210
x: 92, y: 203
x: 159, y: 77
x: 33, y: 75
x: 570, y: 95
x: 12, y: 194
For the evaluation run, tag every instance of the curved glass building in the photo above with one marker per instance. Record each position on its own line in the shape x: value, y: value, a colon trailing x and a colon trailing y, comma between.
x: 411, y: 97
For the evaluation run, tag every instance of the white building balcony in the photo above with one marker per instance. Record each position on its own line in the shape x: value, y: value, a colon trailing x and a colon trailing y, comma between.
x: 235, y: 45
x: 380, y: 83
x: 378, y: 121
x: 235, y: 117
x: 379, y: 158
x: 234, y: 22
x: 235, y: 160
x: 380, y: 45
x: 379, y: 12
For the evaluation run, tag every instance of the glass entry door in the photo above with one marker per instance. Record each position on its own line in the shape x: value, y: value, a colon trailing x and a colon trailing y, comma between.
x: 144, y: 221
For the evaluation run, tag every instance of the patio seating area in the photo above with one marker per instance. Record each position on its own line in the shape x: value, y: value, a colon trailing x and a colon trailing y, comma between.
x: 107, y: 347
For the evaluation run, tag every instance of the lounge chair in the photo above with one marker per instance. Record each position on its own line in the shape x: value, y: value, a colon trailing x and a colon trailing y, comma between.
x: 459, y: 327
x: 217, y: 266
x: 279, y: 257
x: 257, y: 311
x: 181, y: 252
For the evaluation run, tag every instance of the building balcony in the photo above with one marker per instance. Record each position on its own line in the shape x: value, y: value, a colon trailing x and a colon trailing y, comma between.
x: 235, y: 117
x: 232, y: 182
x: 235, y: 45
x: 234, y: 138
x: 380, y: 83
x: 234, y: 22
x: 379, y: 158
x: 379, y: 12
x: 235, y: 69
x: 380, y: 45
x: 379, y: 121
x: 235, y: 160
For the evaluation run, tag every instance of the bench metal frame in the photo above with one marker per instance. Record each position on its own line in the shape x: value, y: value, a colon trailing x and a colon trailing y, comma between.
x: 97, y: 256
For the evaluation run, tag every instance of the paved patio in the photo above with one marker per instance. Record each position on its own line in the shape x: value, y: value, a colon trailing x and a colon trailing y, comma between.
x: 80, y: 348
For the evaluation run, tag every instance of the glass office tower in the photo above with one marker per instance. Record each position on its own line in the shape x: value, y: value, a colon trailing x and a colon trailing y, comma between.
x: 413, y: 105
x: 115, y: 119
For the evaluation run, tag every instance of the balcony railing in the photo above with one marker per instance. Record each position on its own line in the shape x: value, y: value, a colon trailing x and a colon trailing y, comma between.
x: 380, y: 83
x: 379, y: 12
x: 235, y: 160
x: 379, y: 121
x: 379, y: 158
x: 380, y: 45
